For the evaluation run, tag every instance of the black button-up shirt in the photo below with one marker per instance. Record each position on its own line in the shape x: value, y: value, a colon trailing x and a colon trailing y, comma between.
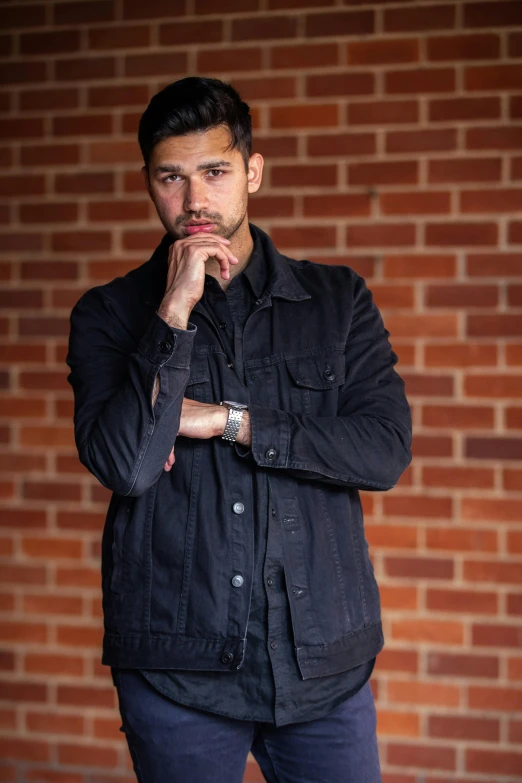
x: 268, y: 687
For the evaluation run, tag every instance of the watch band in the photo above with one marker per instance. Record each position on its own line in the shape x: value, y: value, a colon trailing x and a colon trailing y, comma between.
x: 235, y: 414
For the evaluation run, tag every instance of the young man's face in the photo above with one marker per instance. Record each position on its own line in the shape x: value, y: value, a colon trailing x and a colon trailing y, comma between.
x: 198, y: 183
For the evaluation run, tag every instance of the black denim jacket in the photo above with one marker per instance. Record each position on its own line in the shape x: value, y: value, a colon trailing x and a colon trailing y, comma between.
x: 329, y: 417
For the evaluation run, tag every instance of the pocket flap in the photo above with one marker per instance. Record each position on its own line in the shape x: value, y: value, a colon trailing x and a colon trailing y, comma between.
x: 325, y: 371
x: 199, y: 371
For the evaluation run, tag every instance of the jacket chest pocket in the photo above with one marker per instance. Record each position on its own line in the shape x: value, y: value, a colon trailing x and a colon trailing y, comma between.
x: 198, y: 385
x: 315, y: 383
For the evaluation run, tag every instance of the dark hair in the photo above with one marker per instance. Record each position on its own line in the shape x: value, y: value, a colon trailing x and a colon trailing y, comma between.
x: 195, y: 104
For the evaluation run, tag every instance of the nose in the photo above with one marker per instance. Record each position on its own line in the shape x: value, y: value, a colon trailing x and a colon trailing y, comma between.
x: 195, y: 196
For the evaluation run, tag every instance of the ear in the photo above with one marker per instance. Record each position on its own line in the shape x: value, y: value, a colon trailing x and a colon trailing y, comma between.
x: 255, y: 172
x: 145, y: 175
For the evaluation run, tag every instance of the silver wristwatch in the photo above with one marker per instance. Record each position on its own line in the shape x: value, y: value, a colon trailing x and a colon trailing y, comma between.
x: 235, y: 414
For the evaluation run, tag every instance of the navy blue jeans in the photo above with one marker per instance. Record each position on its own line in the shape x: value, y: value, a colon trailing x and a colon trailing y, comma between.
x: 170, y: 743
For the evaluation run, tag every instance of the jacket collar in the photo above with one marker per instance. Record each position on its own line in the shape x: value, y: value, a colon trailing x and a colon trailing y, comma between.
x: 280, y: 279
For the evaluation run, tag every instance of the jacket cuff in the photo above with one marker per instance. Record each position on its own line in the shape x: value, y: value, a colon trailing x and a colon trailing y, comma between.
x: 270, y: 436
x: 165, y: 345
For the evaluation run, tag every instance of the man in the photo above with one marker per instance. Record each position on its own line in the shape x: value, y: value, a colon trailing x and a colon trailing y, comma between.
x: 235, y: 401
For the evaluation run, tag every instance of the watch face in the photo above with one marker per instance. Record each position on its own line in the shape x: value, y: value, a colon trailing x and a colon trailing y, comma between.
x: 235, y: 404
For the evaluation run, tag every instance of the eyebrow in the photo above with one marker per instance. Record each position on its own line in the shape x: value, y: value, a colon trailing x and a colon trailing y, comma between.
x: 174, y: 168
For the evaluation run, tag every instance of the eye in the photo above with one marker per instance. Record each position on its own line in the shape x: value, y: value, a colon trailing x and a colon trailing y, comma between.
x: 172, y: 178
x: 215, y: 173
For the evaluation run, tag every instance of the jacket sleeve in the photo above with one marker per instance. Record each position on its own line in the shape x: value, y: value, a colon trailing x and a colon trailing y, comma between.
x: 120, y: 437
x: 367, y: 445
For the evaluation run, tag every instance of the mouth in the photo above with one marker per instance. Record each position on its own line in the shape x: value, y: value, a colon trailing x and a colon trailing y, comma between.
x: 196, y: 228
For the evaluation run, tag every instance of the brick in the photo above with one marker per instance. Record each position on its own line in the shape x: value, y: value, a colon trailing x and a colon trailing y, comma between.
x: 271, y: 206
x: 461, y: 601
x: 23, y: 518
x: 421, y: 80
x: 495, y: 635
x: 411, y: 18
x: 273, y: 147
x: 46, y: 380
x: 110, y: 38
x: 304, y: 56
x: 26, y: 691
x: 380, y: 235
x: 432, y: 446
x: 424, y: 325
x: 23, y: 353
x: 494, y: 138
x: 494, y: 571
x: 464, y: 170
x: 85, y: 69
x: 140, y: 240
x: 515, y: 295
x: 432, y: 631
x: 464, y: 728
x: 52, y: 604
x: 154, y: 9
x: 461, y: 540
x: 383, y: 173
x: 415, y: 203
x: 436, y: 694
x: 500, y: 509
x: 340, y: 84
x: 494, y: 265
x: 19, y: 72
x: 498, y: 386
x: 515, y: 731
x: 79, y: 636
x: 82, y: 125
x: 416, y: 383
x: 515, y: 111
x: 85, y: 696
x: 393, y: 296
x: 87, y: 755
x: 417, y: 506
x: 398, y: 660
x: 52, y: 776
x: 424, y: 756
x: 417, y: 266
x: 21, y: 128
x: 14, y: 16
x: 53, y: 663
x: 13, y: 185
x: 156, y: 64
x: 512, y: 479
x: 339, y: 23
x: 515, y: 232
x: 58, y: 723
x: 393, y: 597
x: 461, y: 234
x: 81, y: 241
x: 503, y: 699
x: 401, y: 724
x: 447, y: 109
x: 261, y: 89
x: 47, y: 270
x: 304, y: 116
x: 118, y: 96
x: 304, y: 176
x: 76, y: 577
x: 263, y: 28
x: 382, y: 51
x: 494, y: 448
x: 23, y: 407
x: 421, y: 141
x: 43, y: 326
x: 419, y: 567
x: 513, y: 418
x: 225, y: 60
x: 346, y: 144
x: 24, y: 749
x: 47, y: 212
x: 493, y: 762
x: 383, y: 112
x: 463, y: 47
x: 342, y: 205
x: 304, y: 236
x: 457, y: 477
x: 20, y: 299
x: 57, y: 41
x: 103, y: 211
x: 460, y: 355
x: 461, y: 296
x: 50, y: 154
x: 499, y: 13
x: 515, y: 668
x: 462, y: 665
x: 82, y: 12
x: 47, y: 436
x: 31, y: 633
x: 506, y: 200
x: 51, y: 547
x: 398, y: 536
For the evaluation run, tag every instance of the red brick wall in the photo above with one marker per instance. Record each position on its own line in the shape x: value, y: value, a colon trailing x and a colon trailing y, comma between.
x: 393, y: 138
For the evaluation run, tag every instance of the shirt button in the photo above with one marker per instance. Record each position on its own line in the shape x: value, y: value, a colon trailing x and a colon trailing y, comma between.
x: 329, y: 374
x: 273, y: 644
x: 230, y: 365
x: 165, y: 346
x: 238, y: 508
x: 222, y: 325
x: 270, y: 455
x: 258, y: 301
x: 237, y: 581
x: 227, y: 657
x: 270, y: 581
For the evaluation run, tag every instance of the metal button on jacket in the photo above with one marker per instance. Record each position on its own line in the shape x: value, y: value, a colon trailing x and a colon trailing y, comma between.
x: 329, y: 374
x: 237, y: 580
x: 270, y: 455
x: 227, y: 657
x: 238, y: 508
x: 165, y: 346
